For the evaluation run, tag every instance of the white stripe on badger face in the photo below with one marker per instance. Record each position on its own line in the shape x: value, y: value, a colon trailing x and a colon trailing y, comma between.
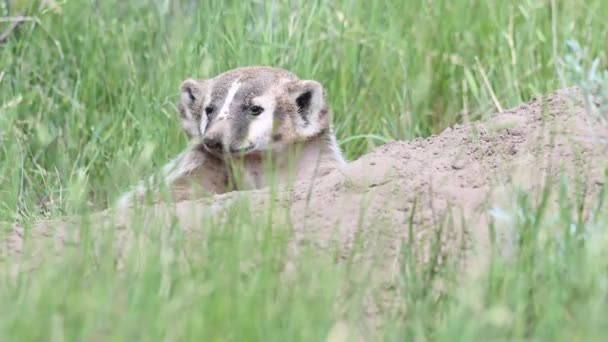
x: 223, y: 113
x: 260, y: 128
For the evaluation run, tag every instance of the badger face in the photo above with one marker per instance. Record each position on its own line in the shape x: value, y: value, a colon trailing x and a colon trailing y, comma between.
x: 251, y: 110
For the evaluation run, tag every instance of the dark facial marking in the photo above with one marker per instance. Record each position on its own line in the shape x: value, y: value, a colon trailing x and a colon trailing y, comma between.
x: 240, y: 127
x: 209, y: 110
x: 277, y: 137
x: 256, y: 110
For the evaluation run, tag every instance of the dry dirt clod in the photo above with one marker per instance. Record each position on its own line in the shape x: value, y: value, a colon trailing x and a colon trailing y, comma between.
x: 459, y: 164
x: 515, y: 131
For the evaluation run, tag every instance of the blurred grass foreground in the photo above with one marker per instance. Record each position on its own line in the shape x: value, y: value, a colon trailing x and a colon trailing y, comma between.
x: 87, y: 107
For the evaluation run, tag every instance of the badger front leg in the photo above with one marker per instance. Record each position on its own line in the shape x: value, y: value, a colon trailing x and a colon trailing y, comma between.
x: 191, y: 174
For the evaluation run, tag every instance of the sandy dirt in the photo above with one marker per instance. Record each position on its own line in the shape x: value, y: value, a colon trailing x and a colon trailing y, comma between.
x: 458, y: 182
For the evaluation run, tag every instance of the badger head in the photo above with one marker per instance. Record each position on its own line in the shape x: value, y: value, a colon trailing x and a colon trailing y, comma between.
x: 252, y: 110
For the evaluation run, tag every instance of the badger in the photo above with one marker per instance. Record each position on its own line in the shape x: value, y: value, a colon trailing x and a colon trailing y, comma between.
x: 247, y: 127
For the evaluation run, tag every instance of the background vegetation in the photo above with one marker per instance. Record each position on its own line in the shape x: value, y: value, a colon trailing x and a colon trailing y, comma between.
x: 87, y: 107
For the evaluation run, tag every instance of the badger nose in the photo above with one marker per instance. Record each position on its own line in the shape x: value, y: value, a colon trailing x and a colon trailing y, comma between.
x: 213, y: 143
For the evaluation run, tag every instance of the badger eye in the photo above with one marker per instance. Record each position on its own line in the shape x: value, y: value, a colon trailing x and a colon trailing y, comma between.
x: 256, y: 110
x: 209, y: 110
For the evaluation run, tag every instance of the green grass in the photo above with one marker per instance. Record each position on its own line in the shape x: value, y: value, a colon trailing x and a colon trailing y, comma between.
x: 87, y: 107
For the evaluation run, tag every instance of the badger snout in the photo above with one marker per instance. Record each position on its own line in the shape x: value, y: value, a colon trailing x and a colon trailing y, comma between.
x: 214, y: 144
x: 222, y: 138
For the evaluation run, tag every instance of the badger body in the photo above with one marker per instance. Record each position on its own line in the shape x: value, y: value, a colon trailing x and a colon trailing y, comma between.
x: 248, y: 127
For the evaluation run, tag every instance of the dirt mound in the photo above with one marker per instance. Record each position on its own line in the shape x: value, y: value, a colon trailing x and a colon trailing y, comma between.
x: 449, y: 186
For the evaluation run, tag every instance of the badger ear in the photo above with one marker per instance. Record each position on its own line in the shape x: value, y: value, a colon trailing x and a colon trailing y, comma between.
x: 312, y: 110
x: 192, y: 98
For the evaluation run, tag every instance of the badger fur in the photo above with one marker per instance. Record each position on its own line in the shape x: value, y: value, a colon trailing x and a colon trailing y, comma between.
x: 248, y: 126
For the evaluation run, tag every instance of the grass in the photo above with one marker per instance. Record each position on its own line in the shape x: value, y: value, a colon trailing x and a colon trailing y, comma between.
x: 88, y: 93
